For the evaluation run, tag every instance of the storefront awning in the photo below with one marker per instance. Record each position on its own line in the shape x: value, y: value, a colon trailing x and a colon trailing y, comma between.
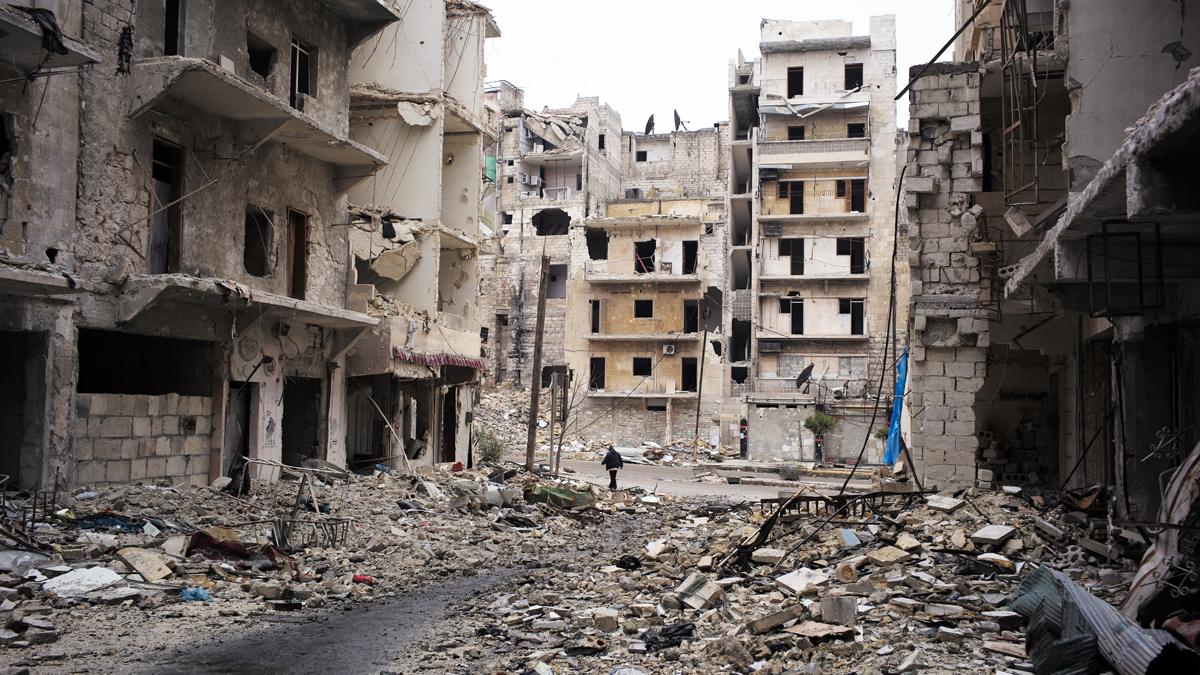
x: 438, y: 359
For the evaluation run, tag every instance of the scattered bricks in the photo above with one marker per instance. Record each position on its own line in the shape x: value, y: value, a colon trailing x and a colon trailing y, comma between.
x: 887, y: 556
x: 1098, y: 548
x: 839, y: 610
x: 945, y: 634
x: 116, y: 427
x: 1005, y: 619
x: 1049, y: 529
x: 993, y: 535
x: 698, y: 592
x: 768, y: 556
x: 606, y: 619
x: 773, y: 621
x: 940, y: 611
x: 984, y: 476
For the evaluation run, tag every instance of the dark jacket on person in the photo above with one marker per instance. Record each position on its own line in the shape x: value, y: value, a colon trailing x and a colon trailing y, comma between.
x: 612, y: 460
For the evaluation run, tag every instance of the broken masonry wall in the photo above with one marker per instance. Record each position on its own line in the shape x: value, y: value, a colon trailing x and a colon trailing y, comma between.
x: 114, y: 196
x: 462, y: 156
x: 39, y: 410
x: 39, y: 118
x: 777, y: 433
x: 121, y: 438
x: 1156, y: 46
x: 214, y: 30
x: 949, y: 319
x: 679, y: 165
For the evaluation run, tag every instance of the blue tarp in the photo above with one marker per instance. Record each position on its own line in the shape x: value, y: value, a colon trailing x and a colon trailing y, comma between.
x: 893, y: 442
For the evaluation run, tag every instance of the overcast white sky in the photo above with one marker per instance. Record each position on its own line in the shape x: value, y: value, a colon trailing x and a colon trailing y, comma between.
x: 652, y: 56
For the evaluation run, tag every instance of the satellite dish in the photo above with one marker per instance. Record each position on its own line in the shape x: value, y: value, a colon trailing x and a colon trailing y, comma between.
x: 804, y: 376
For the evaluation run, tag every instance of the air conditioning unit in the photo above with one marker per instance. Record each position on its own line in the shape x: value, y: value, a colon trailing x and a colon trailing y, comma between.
x: 535, y: 180
x: 839, y: 393
x: 669, y: 350
x: 539, y: 147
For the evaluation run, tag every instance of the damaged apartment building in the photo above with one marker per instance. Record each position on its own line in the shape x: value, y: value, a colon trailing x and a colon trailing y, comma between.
x: 1049, y: 192
x: 811, y: 234
x: 177, y: 286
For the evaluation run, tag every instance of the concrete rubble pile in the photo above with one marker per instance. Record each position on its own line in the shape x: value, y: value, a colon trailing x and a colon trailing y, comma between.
x: 504, y: 412
x: 927, y: 583
x: 331, y: 538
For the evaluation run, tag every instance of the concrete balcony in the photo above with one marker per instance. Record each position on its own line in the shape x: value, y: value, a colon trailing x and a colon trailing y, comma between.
x: 657, y: 278
x: 642, y: 337
x: 821, y: 153
x: 640, y: 394
x: 766, y: 336
x: 21, y: 45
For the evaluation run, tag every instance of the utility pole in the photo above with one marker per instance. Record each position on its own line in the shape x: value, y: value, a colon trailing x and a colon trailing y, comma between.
x: 553, y: 416
x: 535, y: 379
x: 700, y: 383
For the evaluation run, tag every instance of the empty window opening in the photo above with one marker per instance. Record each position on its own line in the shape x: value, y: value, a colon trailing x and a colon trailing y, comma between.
x: 717, y: 346
x: 19, y: 353
x: 6, y: 167
x: 304, y: 73
x: 712, y: 310
x: 739, y: 374
x: 597, y: 316
x: 578, y: 182
x: 644, y: 256
x: 548, y: 373
x: 739, y: 348
x: 166, y: 222
x: 551, y: 222
x: 597, y: 243
x: 640, y: 156
x: 656, y: 405
x: 643, y: 309
x: 256, y: 244
x: 556, y: 288
x: 741, y: 269
x: 795, y: 82
x: 596, y: 373
x: 691, y: 250
x: 641, y: 366
x: 600, y: 142
x: 509, y: 180
x: 173, y: 28
x: 743, y: 79
x: 855, y: 247
x: 633, y: 193
x: 111, y: 362
x: 793, y: 249
x: 839, y: 188
x: 691, y: 316
x: 506, y: 218
x: 853, y: 307
x: 856, y: 130
x: 854, y: 76
x: 794, y: 307
x: 795, y: 133
x: 687, y: 374
x: 297, y: 254
x: 858, y: 195
x: 301, y: 420
x: 793, y: 192
x: 262, y: 55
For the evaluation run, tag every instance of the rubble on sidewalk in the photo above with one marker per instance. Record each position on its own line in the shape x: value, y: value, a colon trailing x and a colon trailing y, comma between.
x: 332, y: 537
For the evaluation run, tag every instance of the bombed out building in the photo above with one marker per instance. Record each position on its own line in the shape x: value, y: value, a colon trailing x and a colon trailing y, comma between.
x: 178, y: 282
x: 1053, y: 287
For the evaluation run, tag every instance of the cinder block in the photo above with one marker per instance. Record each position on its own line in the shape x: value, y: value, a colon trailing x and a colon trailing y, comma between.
x: 83, y: 449
x: 137, y: 469
x: 129, y: 448
x: 90, y: 472
x: 141, y: 406
x: 117, y: 471
x: 958, y: 369
x: 106, y: 448
x: 83, y: 405
x: 170, y: 425
x: 163, y: 446
x: 141, y: 426
x: 116, y: 427
x: 94, y: 424
x: 156, y: 467
x: 176, y: 466
x: 195, y: 445
x: 960, y: 428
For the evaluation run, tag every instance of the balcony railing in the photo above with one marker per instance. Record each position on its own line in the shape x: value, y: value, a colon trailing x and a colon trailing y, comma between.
x: 820, y: 151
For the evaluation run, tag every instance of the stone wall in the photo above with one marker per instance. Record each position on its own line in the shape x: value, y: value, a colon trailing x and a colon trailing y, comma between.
x: 949, y: 303
x: 121, y: 438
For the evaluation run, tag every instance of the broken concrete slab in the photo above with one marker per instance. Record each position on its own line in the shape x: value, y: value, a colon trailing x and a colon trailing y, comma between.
x: 81, y: 581
x: 993, y: 535
x: 888, y: 555
x: 817, y: 630
x: 768, y: 556
x: 943, y: 503
x: 145, y: 562
x: 802, y: 581
x: 840, y: 610
x: 775, y: 620
x: 698, y: 592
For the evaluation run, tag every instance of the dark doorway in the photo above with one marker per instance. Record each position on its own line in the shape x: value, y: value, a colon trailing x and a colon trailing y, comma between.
x: 551, y: 222
x: 853, y: 307
x: 297, y: 254
x: 690, y: 252
x: 688, y: 374
x: 597, y: 316
x: 691, y: 316
x: 597, y: 243
x: 797, y: 317
x: 854, y: 76
x: 449, y: 440
x: 793, y: 249
x: 795, y: 82
x: 596, y: 373
x: 163, y: 250
x: 301, y: 420
x: 14, y: 352
x: 739, y: 349
x: 367, y: 436
x: 858, y: 195
x: 237, y: 419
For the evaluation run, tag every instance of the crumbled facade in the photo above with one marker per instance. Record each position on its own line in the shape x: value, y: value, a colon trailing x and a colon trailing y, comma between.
x: 1050, y: 323
x: 178, y: 292
x: 811, y: 204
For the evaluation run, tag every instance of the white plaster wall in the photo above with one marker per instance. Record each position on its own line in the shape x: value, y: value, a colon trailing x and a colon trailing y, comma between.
x: 773, y: 30
x: 399, y: 187
x: 407, y: 55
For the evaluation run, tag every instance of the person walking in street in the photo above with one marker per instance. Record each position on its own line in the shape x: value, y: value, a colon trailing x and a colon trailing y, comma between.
x: 613, y: 462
